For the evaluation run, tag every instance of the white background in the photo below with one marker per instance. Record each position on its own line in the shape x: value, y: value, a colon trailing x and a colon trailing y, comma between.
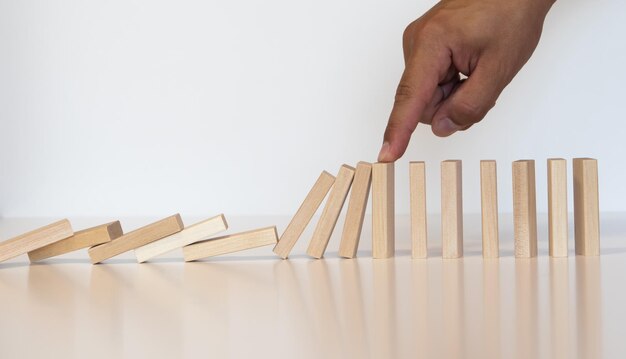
x: 153, y: 107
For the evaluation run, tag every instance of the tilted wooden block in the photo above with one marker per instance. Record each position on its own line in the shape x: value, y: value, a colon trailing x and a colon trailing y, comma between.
x: 304, y: 214
x: 330, y: 214
x: 136, y: 238
x: 524, y: 209
x: 557, y: 207
x: 195, y: 233
x: 419, y: 233
x: 82, y: 239
x: 356, y: 210
x: 35, y: 239
x: 231, y: 243
x: 586, y: 207
x: 383, y: 210
x: 489, y: 208
x: 451, y: 209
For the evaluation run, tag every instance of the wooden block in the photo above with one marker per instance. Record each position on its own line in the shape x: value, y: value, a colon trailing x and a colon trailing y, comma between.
x: 451, y: 209
x: 557, y: 206
x: 489, y: 207
x: 231, y: 243
x: 136, y: 238
x: 195, y: 233
x: 330, y: 214
x: 304, y: 214
x: 35, y: 239
x: 356, y: 210
x: 586, y: 207
x: 417, y: 182
x: 383, y: 210
x: 524, y: 209
x: 82, y: 239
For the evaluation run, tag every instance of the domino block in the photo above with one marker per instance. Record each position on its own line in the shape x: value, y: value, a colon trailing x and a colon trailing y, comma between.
x: 195, y: 233
x: 81, y: 239
x: 330, y: 214
x: 451, y: 209
x: 35, y: 239
x: 383, y: 210
x: 417, y: 181
x: 356, y: 210
x: 231, y: 243
x: 557, y: 207
x: 489, y: 208
x: 524, y: 209
x: 304, y: 214
x: 586, y: 207
x: 136, y: 238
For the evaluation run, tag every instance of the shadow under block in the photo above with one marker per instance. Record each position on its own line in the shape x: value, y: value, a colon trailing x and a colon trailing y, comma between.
x: 419, y: 233
x: 451, y: 209
x: 353, y: 223
x: 586, y: 207
x: 330, y: 214
x: 136, y: 238
x: 489, y: 208
x: 557, y: 207
x: 230, y: 243
x: 194, y: 233
x: 82, y: 239
x: 35, y: 239
x: 524, y: 209
x: 304, y: 214
x: 383, y: 210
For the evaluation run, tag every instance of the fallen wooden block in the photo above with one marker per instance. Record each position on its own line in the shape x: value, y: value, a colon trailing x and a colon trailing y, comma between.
x: 524, y: 209
x: 356, y: 210
x: 136, y: 238
x: 383, y: 210
x: 195, y: 233
x: 586, y: 207
x: 489, y: 208
x: 417, y: 183
x: 557, y: 207
x: 230, y: 243
x: 35, y: 239
x: 81, y: 239
x: 451, y: 209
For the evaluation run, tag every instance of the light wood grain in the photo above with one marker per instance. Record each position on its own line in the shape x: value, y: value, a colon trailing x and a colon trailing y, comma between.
x: 231, y: 243
x: 355, y: 214
x: 35, y: 239
x: 304, y: 214
x: 489, y: 208
x: 136, y: 238
x: 451, y: 209
x: 330, y: 214
x: 524, y: 209
x: 586, y: 207
x: 82, y: 239
x: 419, y: 233
x: 557, y: 207
x: 195, y: 233
x: 383, y: 210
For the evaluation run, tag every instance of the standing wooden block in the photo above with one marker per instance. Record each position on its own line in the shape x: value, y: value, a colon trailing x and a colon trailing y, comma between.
x: 231, y: 243
x: 489, y: 207
x: 328, y: 219
x: 417, y: 182
x: 304, y: 214
x: 195, y: 233
x: 81, y: 239
x: 136, y: 238
x: 557, y: 206
x: 356, y: 210
x: 451, y: 209
x: 35, y: 239
x: 524, y: 209
x: 383, y: 210
x: 586, y: 207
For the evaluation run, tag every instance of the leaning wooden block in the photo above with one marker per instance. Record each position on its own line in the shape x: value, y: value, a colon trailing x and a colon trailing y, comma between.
x: 195, y: 233
x: 356, y: 210
x: 136, y: 238
x: 35, y: 239
x: 489, y: 208
x: 417, y: 182
x: 557, y: 207
x: 304, y: 214
x: 451, y: 209
x: 383, y: 210
x: 81, y: 239
x: 524, y: 209
x: 231, y: 243
x: 330, y: 214
x: 586, y: 207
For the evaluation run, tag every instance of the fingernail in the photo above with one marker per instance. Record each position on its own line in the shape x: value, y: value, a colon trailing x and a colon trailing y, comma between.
x: 446, y: 126
x: 384, y: 152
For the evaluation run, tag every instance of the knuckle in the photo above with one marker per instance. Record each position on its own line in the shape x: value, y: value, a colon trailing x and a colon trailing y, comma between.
x: 405, y: 92
x: 470, y: 111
